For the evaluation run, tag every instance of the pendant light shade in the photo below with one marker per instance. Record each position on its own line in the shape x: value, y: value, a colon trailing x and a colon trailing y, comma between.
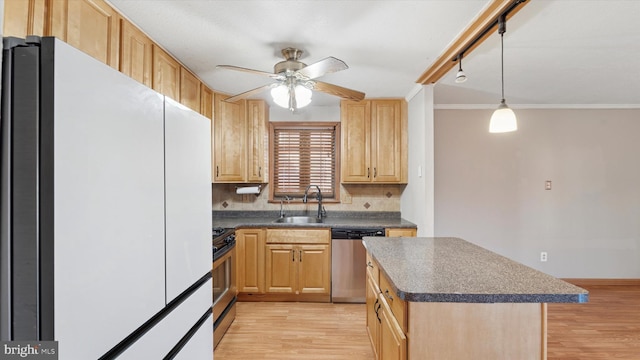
x: 503, y: 118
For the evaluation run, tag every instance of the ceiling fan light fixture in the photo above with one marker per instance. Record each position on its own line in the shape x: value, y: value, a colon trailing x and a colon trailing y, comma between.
x: 280, y: 95
x: 303, y: 96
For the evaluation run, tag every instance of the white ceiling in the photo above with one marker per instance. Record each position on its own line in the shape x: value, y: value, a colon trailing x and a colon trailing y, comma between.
x: 557, y: 52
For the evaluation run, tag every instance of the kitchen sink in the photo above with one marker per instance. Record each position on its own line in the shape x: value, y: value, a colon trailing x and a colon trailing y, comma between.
x: 299, y: 220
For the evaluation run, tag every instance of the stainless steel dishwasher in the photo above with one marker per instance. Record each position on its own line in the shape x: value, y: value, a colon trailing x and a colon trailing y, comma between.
x: 348, y: 263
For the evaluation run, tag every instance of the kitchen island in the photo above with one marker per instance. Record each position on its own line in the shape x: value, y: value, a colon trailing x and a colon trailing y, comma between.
x: 445, y: 298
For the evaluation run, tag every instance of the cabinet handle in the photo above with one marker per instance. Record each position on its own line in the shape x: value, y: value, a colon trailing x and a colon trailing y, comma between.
x: 375, y: 172
x: 259, y: 171
x: 293, y: 255
x: 378, y: 313
x: 369, y: 264
x: 386, y: 293
x: 368, y: 172
x: 300, y: 257
x: 217, y: 171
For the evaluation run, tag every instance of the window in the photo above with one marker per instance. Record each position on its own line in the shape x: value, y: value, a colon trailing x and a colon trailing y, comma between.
x: 304, y: 154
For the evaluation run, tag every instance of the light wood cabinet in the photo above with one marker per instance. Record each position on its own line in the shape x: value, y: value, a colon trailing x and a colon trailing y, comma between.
x: 136, y: 53
x: 229, y: 140
x: 374, y: 141
x: 166, y: 74
x: 250, y: 255
x: 88, y: 25
x: 298, y: 264
x: 393, y: 342
x: 239, y: 141
x: 400, y: 232
x: 373, y: 306
x: 25, y: 17
x: 189, y: 90
x: 257, y: 139
x: 386, y: 316
x: 206, y: 102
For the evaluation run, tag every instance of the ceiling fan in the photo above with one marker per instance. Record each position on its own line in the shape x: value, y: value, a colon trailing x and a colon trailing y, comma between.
x: 295, y: 80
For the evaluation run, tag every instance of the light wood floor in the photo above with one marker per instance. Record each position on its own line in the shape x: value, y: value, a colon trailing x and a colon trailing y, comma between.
x: 608, y: 327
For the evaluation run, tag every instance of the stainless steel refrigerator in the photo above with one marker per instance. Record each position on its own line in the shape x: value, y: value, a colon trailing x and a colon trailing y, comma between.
x: 105, y: 219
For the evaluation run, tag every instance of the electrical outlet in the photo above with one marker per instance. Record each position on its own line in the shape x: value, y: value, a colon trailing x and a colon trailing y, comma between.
x: 543, y: 256
x: 547, y: 185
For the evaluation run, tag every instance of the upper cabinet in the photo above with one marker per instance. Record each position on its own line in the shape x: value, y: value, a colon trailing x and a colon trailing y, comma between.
x: 239, y: 131
x: 97, y: 29
x: 166, y: 73
x: 206, y: 102
x: 374, y: 141
x: 89, y: 25
x: 136, y: 53
x: 25, y: 17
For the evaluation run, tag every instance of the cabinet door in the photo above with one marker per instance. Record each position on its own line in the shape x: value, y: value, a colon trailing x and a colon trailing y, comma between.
x: 393, y: 342
x: 250, y: 260
x: 206, y: 102
x: 24, y: 17
x: 89, y: 25
x: 229, y: 140
x: 373, y: 326
x: 386, y: 136
x: 166, y: 74
x: 281, y: 269
x: 314, y: 273
x: 257, y: 118
x: 189, y: 90
x: 136, y: 53
x: 400, y: 232
x: 356, y: 138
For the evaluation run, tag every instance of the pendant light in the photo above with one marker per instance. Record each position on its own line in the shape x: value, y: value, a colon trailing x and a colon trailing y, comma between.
x: 503, y: 118
x: 460, y: 76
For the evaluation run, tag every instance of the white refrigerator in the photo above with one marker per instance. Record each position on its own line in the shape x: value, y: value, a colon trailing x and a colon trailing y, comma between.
x: 105, y: 223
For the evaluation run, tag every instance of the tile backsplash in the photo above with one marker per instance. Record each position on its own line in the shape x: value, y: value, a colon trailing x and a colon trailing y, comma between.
x: 352, y: 197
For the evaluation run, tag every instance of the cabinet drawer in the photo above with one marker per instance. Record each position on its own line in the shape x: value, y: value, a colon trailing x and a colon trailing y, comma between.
x: 373, y: 270
x: 397, y: 305
x: 298, y: 236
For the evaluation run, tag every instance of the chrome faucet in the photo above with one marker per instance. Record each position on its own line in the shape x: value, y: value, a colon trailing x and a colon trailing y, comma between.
x: 286, y: 197
x: 321, y: 211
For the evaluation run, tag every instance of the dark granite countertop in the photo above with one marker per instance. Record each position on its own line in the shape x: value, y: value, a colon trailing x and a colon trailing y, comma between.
x: 343, y: 219
x: 455, y: 270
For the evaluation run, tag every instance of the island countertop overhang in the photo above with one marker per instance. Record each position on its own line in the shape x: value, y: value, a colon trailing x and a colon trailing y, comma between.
x: 447, y: 269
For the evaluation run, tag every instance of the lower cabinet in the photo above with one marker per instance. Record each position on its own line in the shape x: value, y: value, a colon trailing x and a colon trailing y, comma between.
x: 387, y: 337
x: 297, y: 265
x: 250, y: 256
x: 298, y: 269
x: 400, y: 232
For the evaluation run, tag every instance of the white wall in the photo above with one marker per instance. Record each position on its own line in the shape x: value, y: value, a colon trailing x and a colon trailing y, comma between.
x: 489, y: 188
x: 417, y: 199
x: 308, y: 113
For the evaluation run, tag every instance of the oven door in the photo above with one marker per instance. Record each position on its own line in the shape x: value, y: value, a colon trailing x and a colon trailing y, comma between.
x: 224, y: 282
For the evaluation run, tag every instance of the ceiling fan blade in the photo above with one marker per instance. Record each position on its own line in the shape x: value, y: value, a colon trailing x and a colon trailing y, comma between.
x: 325, y: 66
x: 258, y: 72
x: 246, y: 94
x: 340, y: 91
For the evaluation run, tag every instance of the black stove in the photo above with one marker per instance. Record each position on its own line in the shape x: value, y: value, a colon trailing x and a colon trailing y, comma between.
x: 224, y: 239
